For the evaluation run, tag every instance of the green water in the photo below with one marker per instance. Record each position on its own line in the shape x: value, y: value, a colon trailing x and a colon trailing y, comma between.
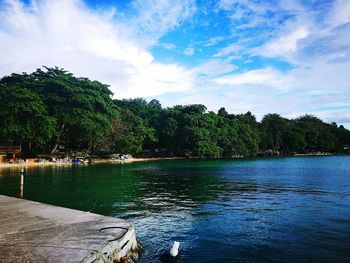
x: 259, y: 210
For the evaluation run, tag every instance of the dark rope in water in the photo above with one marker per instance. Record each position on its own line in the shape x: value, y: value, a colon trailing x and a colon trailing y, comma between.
x: 111, y: 227
x: 117, y: 227
x: 93, y: 205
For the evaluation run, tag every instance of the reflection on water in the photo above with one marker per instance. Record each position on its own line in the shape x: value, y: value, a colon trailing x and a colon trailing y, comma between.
x: 259, y: 210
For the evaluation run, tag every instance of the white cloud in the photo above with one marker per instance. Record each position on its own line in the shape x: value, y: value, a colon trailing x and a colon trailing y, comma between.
x: 340, y: 13
x: 96, y: 44
x: 213, y: 41
x: 189, y: 51
x: 291, y: 6
x: 256, y: 7
x: 156, y: 17
x: 169, y: 46
x: 214, y: 67
x: 311, y: 37
x: 233, y: 48
x: 285, y: 44
x: 262, y: 77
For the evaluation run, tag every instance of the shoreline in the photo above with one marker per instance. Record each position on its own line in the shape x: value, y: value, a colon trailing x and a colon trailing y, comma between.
x: 94, y: 161
x: 132, y: 160
x: 313, y: 154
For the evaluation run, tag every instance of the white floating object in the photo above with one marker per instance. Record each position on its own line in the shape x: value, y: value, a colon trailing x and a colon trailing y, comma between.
x: 175, y: 249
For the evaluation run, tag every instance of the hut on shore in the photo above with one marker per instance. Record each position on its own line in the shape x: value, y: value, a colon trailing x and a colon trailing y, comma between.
x: 8, y: 153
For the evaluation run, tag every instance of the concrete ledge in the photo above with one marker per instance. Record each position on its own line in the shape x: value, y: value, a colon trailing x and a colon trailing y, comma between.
x: 36, y: 232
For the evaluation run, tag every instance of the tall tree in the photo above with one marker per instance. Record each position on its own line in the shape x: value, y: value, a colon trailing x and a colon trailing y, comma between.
x: 272, y: 128
x: 23, y: 117
x: 81, y: 109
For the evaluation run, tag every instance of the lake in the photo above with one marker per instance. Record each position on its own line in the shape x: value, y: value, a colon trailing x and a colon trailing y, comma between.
x: 288, y: 209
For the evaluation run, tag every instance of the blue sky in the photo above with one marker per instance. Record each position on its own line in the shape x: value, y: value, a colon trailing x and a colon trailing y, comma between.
x: 284, y: 56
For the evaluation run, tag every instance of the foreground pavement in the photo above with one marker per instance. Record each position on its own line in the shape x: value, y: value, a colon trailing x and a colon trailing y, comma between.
x: 36, y: 232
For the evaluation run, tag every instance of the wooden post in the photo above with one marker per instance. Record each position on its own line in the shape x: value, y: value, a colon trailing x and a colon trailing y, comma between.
x: 21, y: 185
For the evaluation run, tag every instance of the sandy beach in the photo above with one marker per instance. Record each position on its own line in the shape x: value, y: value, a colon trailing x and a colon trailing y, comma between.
x: 94, y: 161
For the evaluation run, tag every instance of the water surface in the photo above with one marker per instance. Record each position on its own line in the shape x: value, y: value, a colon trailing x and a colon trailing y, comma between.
x: 259, y: 210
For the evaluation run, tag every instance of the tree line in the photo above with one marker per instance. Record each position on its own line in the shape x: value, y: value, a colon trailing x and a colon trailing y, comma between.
x: 50, y: 108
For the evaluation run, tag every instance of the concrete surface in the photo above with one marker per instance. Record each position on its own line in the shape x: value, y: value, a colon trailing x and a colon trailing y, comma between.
x: 36, y: 232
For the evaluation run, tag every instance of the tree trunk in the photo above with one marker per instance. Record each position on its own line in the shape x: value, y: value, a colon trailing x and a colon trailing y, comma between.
x: 57, y: 140
x: 54, y: 148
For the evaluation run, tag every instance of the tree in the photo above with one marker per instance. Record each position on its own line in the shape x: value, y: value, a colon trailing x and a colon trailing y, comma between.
x: 132, y: 134
x: 23, y: 117
x: 81, y: 110
x: 222, y: 112
x: 272, y: 128
x: 228, y: 136
x: 318, y: 135
x: 293, y: 139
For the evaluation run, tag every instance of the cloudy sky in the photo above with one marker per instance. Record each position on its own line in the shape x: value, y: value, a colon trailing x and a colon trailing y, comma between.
x: 280, y: 56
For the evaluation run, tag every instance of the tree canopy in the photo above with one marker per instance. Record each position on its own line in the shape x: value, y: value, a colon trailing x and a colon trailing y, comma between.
x: 51, y: 106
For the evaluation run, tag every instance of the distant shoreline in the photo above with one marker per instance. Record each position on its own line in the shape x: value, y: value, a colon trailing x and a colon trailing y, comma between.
x: 313, y: 154
x: 94, y: 161
x: 132, y: 160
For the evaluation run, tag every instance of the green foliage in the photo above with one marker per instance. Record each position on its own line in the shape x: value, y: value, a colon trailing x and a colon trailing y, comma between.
x: 23, y: 117
x: 293, y: 139
x: 51, y: 106
x: 305, y: 134
x: 273, y: 127
x: 132, y: 134
x: 57, y: 107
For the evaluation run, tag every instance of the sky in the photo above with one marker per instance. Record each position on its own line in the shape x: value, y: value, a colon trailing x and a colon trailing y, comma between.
x: 289, y: 57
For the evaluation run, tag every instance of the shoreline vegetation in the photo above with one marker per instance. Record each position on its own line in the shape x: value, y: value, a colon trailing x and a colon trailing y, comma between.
x: 52, y: 113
